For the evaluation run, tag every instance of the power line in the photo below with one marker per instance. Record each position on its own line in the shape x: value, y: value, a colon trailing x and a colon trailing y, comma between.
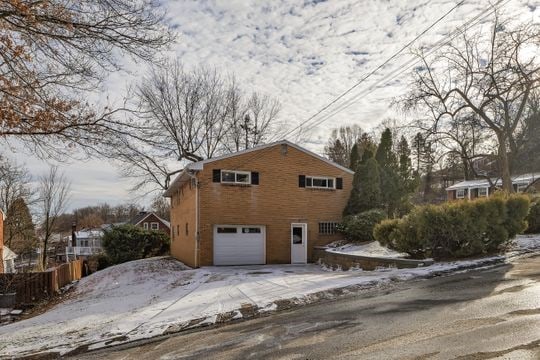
x: 371, y: 73
x: 474, y: 21
x: 405, y: 67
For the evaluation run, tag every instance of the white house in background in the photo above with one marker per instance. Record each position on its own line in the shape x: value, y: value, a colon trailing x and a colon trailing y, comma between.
x: 472, y: 189
x: 87, y: 242
x: 8, y: 257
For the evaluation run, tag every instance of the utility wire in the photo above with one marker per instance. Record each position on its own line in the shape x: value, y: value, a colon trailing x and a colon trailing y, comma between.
x: 460, y: 30
x: 371, y: 73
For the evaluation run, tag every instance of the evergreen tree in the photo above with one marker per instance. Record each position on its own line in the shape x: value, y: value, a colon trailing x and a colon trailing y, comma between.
x: 385, y: 156
x: 366, y: 147
x: 19, y: 230
x: 418, y: 150
x: 389, y: 173
x: 366, y: 192
x: 404, y: 154
x: 355, y: 157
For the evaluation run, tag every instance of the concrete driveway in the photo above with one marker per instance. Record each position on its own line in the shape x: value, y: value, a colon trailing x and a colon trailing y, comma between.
x: 484, y: 314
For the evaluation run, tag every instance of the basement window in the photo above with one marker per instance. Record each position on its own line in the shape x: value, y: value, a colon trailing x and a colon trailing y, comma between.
x: 328, y: 227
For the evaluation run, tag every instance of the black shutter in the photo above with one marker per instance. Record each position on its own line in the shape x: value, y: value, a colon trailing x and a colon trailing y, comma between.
x: 339, y: 183
x: 216, y: 175
x: 254, y: 178
x: 302, y: 181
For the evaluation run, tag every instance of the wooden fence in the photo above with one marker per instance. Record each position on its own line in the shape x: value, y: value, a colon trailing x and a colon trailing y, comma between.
x: 35, y: 286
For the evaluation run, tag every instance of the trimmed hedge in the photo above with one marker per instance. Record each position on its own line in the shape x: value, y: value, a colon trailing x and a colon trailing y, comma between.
x: 533, y: 219
x: 360, y: 227
x: 458, y: 229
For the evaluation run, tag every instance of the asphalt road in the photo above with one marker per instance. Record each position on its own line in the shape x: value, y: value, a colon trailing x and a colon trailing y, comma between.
x: 482, y: 314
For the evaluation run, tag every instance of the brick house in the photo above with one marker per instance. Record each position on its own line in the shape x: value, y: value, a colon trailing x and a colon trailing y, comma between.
x: 472, y: 189
x: 267, y: 205
x: 150, y: 221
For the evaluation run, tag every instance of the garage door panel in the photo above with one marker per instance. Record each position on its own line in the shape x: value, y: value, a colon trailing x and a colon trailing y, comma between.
x: 245, y: 247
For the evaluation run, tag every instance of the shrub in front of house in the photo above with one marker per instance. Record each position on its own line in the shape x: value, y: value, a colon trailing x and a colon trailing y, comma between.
x: 533, y: 219
x: 360, y: 227
x: 128, y: 242
x: 456, y: 230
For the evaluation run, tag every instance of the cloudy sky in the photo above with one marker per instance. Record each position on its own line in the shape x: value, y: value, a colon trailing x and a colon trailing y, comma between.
x: 303, y: 52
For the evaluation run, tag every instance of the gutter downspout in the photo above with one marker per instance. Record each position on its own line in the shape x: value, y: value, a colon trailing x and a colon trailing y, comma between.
x: 197, y: 237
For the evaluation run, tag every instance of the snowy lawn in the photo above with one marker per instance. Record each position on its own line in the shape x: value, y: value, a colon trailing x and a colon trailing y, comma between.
x: 372, y: 248
x: 145, y: 298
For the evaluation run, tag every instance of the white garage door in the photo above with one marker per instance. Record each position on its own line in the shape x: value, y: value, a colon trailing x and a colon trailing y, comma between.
x: 239, y: 245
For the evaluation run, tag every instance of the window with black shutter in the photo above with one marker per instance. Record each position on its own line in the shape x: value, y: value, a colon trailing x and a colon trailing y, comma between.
x: 302, y: 180
x: 254, y: 178
x: 216, y: 175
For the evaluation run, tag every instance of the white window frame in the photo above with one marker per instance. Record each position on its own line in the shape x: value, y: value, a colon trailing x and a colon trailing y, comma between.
x: 145, y: 226
x: 521, y: 187
x: 152, y: 226
x: 236, y: 173
x: 483, y: 189
x: 321, y: 178
x: 460, y: 196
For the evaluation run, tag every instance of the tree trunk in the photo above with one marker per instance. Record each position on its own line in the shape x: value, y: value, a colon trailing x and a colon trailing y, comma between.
x: 466, y: 169
x: 504, y: 164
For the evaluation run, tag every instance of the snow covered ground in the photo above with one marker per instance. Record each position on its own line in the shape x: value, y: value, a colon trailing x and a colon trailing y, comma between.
x: 145, y: 298
x: 368, y: 249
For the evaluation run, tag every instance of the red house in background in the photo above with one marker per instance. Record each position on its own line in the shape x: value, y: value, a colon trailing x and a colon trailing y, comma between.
x: 150, y: 221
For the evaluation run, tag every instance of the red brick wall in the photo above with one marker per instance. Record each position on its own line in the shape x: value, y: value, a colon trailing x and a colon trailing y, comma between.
x: 183, y: 213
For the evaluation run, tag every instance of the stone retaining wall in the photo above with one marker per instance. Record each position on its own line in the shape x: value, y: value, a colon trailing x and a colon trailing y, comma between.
x: 347, y: 261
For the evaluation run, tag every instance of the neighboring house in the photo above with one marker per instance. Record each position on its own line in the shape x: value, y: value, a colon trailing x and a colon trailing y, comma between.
x: 268, y: 205
x: 87, y: 242
x: 150, y: 221
x: 473, y: 189
x: 8, y: 260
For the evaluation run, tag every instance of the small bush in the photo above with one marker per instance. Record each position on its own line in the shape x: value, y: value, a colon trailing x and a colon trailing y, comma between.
x: 102, y: 262
x: 458, y: 229
x: 127, y: 242
x: 533, y: 219
x: 360, y: 227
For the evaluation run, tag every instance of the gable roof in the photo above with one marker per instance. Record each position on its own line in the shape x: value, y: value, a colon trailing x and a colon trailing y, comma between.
x: 518, y: 179
x: 199, y: 165
x: 143, y: 215
x: 8, y: 254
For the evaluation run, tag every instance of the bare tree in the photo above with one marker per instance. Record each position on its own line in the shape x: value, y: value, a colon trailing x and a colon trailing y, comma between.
x: 340, y: 144
x: 188, y: 116
x: 53, y: 52
x: 14, y: 183
x: 161, y: 207
x: 53, y: 198
x: 490, y: 76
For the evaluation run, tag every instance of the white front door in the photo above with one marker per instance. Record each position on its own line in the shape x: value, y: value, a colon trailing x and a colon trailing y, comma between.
x: 298, y: 243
